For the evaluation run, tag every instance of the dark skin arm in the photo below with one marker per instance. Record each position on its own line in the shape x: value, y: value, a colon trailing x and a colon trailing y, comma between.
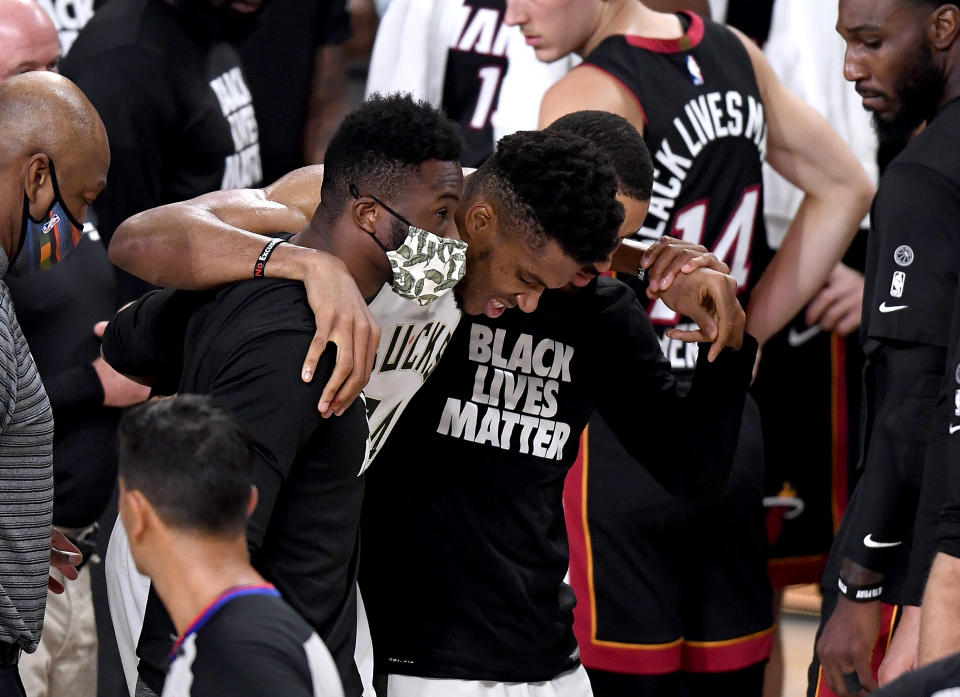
x: 215, y: 239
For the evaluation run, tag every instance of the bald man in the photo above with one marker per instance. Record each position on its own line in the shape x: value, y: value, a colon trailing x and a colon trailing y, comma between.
x: 28, y: 39
x: 45, y: 120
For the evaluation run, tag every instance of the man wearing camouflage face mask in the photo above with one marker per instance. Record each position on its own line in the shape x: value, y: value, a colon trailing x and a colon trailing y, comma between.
x: 242, y: 343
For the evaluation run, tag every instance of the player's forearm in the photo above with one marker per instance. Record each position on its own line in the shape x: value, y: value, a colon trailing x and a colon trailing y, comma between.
x: 816, y: 241
x: 939, y: 629
x: 207, y: 242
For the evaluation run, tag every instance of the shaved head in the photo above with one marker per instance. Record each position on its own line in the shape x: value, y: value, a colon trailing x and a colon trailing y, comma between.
x: 28, y: 39
x: 44, y: 117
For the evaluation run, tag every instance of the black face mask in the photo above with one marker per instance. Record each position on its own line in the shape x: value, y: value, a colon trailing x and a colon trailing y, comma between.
x: 47, y: 240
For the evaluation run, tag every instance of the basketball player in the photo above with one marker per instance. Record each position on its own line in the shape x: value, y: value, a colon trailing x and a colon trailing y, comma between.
x: 238, y: 345
x: 186, y: 493
x: 143, y: 244
x: 701, y: 95
x: 902, y: 56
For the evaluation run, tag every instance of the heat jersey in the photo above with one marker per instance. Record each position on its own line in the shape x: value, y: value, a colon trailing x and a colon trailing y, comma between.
x: 705, y: 126
x: 476, y: 64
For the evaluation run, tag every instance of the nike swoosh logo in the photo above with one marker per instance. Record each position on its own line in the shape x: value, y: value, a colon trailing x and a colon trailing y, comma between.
x: 891, y: 308
x: 795, y: 338
x: 954, y: 429
x: 870, y: 542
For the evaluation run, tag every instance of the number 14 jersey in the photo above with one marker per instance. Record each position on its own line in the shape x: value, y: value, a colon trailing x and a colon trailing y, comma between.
x: 704, y: 124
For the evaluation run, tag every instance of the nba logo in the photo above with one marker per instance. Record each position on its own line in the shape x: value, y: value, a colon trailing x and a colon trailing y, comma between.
x: 50, y: 224
x: 694, y: 69
x: 896, y: 286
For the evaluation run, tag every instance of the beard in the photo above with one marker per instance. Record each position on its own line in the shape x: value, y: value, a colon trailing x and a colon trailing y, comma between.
x: 219, y: 23
x: 919, y: 91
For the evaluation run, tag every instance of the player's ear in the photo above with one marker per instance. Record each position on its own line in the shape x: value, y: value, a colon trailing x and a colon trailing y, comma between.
x: 943, y: 27
x: 480, y: 223
x: 252, y: 503
x: 365, y: 212
x: 37, y: 183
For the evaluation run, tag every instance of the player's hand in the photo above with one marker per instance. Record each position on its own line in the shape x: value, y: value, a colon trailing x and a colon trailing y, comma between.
x: 668, y: 257
x: 118, y: 390
x: 64, y: 557
x: 709, y: 298
x: 837, y: 307
x: 901, y: 655
x: 343, y: 319
x: 846, y: 645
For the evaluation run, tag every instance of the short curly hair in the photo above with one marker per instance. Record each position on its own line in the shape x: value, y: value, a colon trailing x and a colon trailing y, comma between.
x: 380, y: 144
x: 553, y: 186
x: 619, y: 141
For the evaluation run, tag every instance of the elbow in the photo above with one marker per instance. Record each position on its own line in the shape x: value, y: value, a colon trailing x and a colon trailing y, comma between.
x: 123, y: 243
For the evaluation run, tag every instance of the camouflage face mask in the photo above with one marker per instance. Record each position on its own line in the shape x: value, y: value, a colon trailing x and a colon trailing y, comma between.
x: 425, y: 265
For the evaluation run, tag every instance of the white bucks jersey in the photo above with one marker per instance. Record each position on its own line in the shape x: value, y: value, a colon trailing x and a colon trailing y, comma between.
x: 412, y: 340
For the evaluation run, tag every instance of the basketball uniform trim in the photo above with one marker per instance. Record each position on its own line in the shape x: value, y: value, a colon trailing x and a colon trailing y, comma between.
x: 620, y: 657
x: 691, y: 37
x: 219, y: 602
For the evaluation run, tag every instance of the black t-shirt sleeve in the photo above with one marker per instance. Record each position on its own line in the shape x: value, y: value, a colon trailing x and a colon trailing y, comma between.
x: 915, y: 221
x: 949, y: 523
x: 903, y: 382
x: 261, y: 384
x: 146, y: 338
x: 333, y: 22
x: 641, y: 404
x: 129, y: 88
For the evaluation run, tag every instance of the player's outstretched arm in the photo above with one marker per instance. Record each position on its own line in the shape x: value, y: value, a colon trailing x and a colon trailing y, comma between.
x: 215, y: 239
x: 803, y: 148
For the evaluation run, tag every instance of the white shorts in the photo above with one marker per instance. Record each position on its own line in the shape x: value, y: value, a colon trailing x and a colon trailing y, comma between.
x: 573, y: 683
x: 127, y: 591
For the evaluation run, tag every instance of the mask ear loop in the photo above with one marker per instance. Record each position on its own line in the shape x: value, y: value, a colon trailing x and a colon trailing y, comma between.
x: 352, y: 188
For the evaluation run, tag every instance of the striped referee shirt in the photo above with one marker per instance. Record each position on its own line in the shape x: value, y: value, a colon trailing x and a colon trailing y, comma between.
x: 26, y: 483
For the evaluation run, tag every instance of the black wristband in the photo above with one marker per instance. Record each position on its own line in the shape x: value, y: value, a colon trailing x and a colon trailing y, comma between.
x: 860, y: 594
x: 259, y: 268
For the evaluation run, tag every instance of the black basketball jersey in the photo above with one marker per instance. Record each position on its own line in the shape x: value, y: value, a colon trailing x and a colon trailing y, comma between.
x: 705, y: 126
x: 476, y: 64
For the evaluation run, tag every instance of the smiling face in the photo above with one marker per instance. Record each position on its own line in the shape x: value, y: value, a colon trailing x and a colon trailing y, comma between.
x: 890, y: 59
x: 555, y: 28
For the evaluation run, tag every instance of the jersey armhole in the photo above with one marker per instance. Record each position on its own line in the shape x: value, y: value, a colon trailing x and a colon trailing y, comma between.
x: 623, y: 86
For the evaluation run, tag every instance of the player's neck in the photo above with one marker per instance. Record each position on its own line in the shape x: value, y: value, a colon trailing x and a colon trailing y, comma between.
x: 196, y: 571
x: 951, y: 89
x: 636, y: 19
x: 365, y: 263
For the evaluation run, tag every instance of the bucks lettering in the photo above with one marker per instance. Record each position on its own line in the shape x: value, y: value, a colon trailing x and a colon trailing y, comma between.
x: 514, y: 394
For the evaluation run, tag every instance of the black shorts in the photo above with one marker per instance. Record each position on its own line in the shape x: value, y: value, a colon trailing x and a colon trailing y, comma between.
x: 808, y: 388
x: 665, y: 585
x: 737, y: 683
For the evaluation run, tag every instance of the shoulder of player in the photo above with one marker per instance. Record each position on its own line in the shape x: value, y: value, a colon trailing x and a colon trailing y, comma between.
x: 590, y: 87
x: 299, y: 190
x: 912, y: 178
x: 256, y: 620
x: 609, y: 307
x: 931, y: 153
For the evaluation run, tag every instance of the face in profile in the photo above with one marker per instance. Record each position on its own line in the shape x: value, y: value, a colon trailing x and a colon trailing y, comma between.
x: 555, y: 28
x: 891, y: 62
x: 635, y: 211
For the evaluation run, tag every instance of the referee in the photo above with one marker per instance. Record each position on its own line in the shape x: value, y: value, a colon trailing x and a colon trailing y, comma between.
x: 186, y: 468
